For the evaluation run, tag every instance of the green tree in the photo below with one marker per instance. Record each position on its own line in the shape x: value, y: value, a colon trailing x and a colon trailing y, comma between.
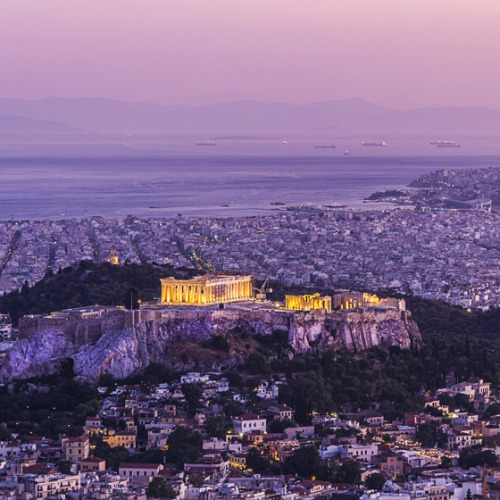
x: 305, y: 462
x: 159, y: 488
x: 493, y: 409
x: 113, y: 456
x: 233, y: 408
x: 5, y: 435
x: 106, y: 380
x: 216, y: 427
x: 427, y: 435
x: 463, y: 401
x: 156, y: 373
x: 196, y: 479
x: 64, y: 466
x: 277, y: 426
x: 184, y: 445
x: 349, y: 472
x: 257, y: 364
x: 446, y: 400
x: 473, y: 457
x: 256, y: 462
x: 193, y: 394
x: 375, y: 481
x: 219, y: 343
x: 83, y: 410
x: 151, y: 456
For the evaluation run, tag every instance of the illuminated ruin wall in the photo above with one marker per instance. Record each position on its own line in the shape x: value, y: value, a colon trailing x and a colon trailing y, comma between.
x: 357, y: 300
x: 308, y: 302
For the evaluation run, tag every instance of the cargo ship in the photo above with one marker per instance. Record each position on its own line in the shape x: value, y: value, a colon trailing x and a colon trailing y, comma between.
x: 445, y: 144
x: 208, y: 142
x: 376, y: 144
x: 437, y: 143
x: 325, y: 146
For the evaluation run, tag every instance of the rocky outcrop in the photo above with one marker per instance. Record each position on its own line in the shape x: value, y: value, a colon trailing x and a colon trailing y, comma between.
x: 122, y: 352
x: 317, y: 331
x: 42, y: 354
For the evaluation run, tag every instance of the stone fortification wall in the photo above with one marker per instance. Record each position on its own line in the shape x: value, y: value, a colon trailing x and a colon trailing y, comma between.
x: 78, y: 330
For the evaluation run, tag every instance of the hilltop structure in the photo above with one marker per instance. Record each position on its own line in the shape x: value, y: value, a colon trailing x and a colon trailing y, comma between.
x: 357, y: 300
x: 206, y: 290
x: 308, y: 302
x: 115, y: 340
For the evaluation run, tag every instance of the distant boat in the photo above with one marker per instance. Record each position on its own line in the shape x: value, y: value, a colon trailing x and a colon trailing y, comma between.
x: 377, y: 144
x: 208, y: 142
x: 286, y: 143
x: 326, y: 146
x: 437, y: 143
x: 445, y: 144
x: 346, y: 152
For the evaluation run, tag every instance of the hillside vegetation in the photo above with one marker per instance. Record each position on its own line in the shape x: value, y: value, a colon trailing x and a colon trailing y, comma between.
x: 90, y: 283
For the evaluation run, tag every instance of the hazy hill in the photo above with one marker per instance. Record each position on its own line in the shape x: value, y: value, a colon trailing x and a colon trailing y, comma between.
x: 22, y: 125
x: 251, y: 117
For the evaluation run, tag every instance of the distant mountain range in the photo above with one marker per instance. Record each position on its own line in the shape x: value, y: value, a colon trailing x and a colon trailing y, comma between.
x: 352, y: 116
x: 23, y: 125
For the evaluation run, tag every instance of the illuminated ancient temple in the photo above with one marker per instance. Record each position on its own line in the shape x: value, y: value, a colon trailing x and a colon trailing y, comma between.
x: 206, y: 290
x: 308, y: 302
x: 356, y: 300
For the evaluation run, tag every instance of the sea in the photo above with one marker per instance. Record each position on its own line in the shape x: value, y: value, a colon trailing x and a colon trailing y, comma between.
x: 166, y: 176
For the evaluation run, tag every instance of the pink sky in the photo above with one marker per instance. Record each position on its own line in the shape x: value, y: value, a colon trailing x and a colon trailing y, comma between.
x: 397, y: 53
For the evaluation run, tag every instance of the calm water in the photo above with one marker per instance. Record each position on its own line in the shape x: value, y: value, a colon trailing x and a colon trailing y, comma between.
x: 161, y: 176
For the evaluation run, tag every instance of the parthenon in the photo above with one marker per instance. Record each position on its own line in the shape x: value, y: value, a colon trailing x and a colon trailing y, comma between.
x: 206, y: 290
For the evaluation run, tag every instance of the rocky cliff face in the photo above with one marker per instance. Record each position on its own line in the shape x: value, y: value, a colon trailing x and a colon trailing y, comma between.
x: 42, y: 354
x: 130, y: 350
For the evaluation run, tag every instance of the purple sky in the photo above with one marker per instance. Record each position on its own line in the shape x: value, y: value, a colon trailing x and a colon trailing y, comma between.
x: 397, y: 53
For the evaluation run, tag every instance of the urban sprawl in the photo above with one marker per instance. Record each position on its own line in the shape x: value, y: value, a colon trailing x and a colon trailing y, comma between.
x: 239, y: 456
x: 438, y: 253
x: 232, y: 435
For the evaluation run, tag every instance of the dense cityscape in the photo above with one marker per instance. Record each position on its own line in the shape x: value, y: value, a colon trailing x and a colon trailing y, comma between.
x: 248, y: 430
x: 447, y: 254
x: 202, y: 442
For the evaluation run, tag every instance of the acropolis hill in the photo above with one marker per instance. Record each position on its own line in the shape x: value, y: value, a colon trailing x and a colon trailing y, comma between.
x: 121, y: 342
